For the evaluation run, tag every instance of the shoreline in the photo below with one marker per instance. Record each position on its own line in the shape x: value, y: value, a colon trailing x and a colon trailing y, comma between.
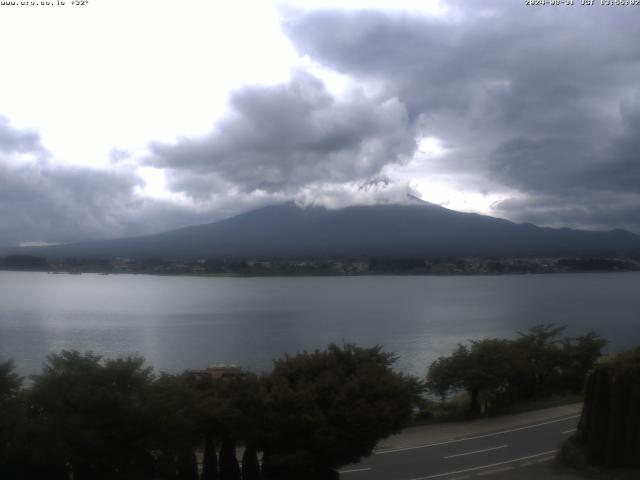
x: 313, y: 275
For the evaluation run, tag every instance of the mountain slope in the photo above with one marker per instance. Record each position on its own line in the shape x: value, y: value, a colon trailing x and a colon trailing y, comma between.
x: 423, y: 230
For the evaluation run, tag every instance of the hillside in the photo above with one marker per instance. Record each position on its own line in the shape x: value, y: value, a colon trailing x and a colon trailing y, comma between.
x: 419, y: 230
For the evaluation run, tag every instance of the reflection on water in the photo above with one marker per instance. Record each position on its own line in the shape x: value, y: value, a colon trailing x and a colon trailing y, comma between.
x: 185, y: 322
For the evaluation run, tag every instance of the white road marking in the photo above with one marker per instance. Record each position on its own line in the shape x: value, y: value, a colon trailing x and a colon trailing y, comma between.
x: 542, y: 460
x: 569, y: 431
x: 477, y: 451
x: 485, y: 466
x: 495, y: 470
x: 356, y: 470
x: 382, y: 452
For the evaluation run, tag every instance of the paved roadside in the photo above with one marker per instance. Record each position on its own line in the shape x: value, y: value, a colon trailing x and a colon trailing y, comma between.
x: 440, y: 432
x: 510, y: 447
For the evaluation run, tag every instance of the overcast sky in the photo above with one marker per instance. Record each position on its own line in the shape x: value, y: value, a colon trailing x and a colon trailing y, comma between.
x: 124, y: 117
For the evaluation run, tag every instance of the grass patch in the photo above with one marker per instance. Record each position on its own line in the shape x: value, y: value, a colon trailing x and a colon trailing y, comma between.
x: 549, y: 402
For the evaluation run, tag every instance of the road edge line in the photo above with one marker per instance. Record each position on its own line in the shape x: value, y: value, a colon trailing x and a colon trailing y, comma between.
x: 472, y: 469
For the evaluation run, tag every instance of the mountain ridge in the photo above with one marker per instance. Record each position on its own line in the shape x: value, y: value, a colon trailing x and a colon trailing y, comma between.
x: 420, y: 229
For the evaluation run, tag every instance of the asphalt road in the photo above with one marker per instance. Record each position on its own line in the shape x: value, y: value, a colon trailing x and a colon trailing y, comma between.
x: 479, y: 456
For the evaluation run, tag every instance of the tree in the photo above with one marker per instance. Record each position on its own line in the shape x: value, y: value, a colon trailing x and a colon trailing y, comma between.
x: 231, y: 409
x: 250, y: 464
x: 187, y: 465
x: 329, y: 408
x: 580, y: 355
x: 540, y: 360
x: 12, y: 422
x: 446, y: 373
x: 609, y: 428
x: 93, y: 415
x: 10, y: 382
x: 486, y: 371
x: 25, y: 262
x: 229, y: 469
x: 501, y: 372
x: 176, y: 430
x: 210, y: 459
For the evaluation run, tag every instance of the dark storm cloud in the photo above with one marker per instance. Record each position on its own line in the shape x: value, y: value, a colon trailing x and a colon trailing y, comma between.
x: 541, y: 104
x: 622, y: 170
x: 606, y: 163
x: 546, y: 164
x: 547, y: 56
x: 543, y: 100
x: 281, y: 138
x: 41, y: 201
x: 621, y: 210
x: 591, y: 182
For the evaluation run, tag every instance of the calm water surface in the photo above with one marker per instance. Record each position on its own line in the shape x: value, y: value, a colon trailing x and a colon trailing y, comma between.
x: 190, y: 322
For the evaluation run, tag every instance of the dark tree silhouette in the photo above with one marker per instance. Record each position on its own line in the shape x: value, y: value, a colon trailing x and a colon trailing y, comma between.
x: 250, y: 464
x: 229, y: 468
x: 12, y: 422
x: 187, y: 465
x: 500, y: 372
x: 329, y: 408
x: 210, y: 458
x: 609, y: 428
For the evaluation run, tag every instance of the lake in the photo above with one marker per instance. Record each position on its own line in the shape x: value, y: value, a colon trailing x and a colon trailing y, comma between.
x: 191, y: 322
